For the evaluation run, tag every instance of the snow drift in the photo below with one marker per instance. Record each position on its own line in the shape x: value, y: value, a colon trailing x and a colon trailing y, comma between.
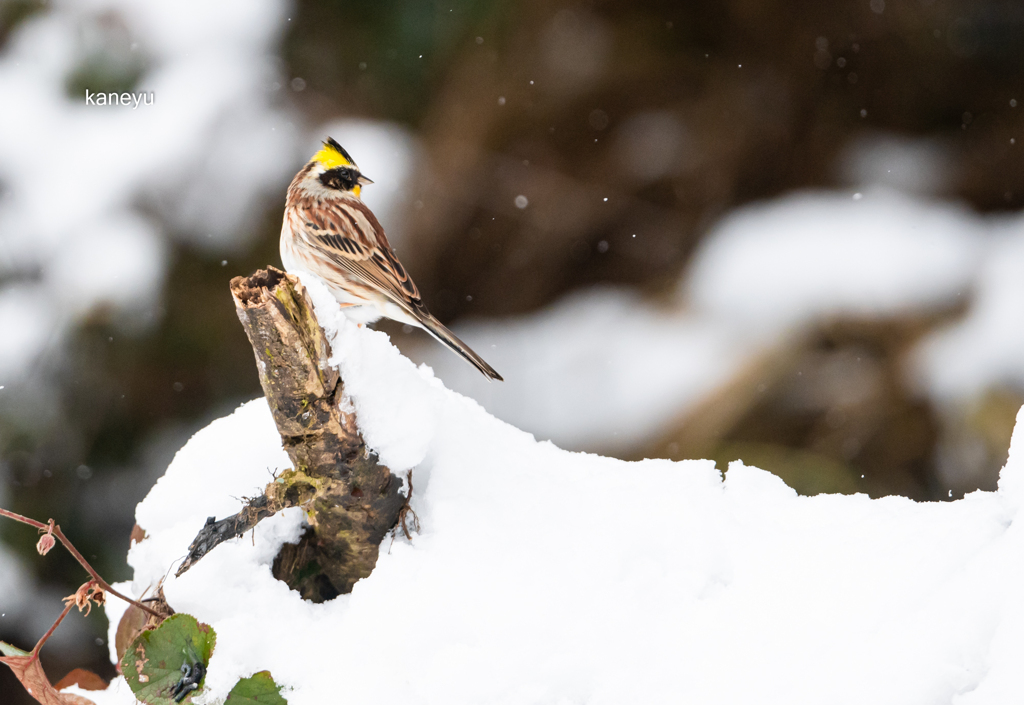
x: 544, y: 576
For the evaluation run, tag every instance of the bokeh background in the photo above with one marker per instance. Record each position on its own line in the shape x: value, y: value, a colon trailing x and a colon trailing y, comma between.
x: 784, y: 232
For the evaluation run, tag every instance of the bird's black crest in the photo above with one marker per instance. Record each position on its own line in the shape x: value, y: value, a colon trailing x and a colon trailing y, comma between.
x: 334, y: 145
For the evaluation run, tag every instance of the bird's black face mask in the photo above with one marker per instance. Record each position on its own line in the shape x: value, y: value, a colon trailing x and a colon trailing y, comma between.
x: 342, y: 178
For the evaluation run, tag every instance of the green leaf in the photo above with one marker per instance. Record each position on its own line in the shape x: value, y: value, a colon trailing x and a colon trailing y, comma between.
x: 258, y: 689
x: 8, y: 650
x: 152, y: 665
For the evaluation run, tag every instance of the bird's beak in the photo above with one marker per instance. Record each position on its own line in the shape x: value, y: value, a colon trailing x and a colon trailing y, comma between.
x: 363, y: 180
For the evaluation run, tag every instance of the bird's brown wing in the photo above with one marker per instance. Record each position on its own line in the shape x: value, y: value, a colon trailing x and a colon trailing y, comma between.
x: 348, y: 234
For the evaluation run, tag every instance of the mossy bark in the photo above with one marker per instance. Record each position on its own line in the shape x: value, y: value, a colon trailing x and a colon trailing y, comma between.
x: 351, y: 500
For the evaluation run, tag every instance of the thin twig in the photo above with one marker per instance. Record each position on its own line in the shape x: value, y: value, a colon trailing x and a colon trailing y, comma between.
x: 23, y: 520
x: 44, y: 637
x: 78, y: 557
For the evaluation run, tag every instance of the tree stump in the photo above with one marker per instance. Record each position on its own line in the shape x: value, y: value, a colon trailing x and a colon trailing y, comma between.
x: 350, y: 499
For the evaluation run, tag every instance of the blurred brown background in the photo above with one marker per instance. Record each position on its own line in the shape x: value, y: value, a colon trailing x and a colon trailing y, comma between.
x: 680, y: 111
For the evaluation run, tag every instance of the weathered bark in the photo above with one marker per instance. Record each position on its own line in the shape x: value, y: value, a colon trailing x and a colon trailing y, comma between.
x: 351, y: 500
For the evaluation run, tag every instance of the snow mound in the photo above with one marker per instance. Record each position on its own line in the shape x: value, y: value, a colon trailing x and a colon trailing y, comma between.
x: 986, y: 348
x: 545, y: 576
x: 879, y: 253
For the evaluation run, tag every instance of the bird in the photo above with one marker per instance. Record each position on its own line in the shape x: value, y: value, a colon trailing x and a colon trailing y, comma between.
x: 329, y: 232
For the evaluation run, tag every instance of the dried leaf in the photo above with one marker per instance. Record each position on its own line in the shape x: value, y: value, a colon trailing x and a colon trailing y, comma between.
x: 138, y: 535
x: 84, y: 679
x: 29, y: 672
x: 134, y: 621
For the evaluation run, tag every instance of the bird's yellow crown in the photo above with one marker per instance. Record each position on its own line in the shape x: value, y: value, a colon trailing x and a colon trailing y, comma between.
x: 332, y: 155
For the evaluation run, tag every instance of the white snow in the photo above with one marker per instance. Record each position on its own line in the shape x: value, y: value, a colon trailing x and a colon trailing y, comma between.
x: 30, y: 321
x: 73, y: 176
x: 986, y: 348
x: 545, y: 576
x: 14, y: 585
x: 815, y: 255
x: 912, y: 165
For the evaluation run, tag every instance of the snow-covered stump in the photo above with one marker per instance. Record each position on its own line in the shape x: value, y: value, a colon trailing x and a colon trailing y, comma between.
x: 351, y: 500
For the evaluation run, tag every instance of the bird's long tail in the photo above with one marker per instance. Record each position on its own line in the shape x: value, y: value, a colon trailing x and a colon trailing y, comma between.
x: 437, y: 329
